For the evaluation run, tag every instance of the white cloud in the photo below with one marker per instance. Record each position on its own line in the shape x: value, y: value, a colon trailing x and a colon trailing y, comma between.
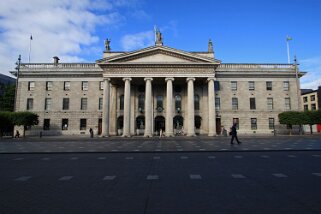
x: 138, y: 40
x: 313, y: 78
x: 63, y: 28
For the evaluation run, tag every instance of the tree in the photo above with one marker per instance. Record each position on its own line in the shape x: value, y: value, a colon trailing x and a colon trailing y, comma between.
x: 7, y: 99
x: 5, y: 122
x: 293, y: 118
x: 314, y: 117
x: 25, y: 119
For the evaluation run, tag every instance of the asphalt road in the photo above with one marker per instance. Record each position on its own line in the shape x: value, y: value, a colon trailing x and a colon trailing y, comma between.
x: 160, y: 182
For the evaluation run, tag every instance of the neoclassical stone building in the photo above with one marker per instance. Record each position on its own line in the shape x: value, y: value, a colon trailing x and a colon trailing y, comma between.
x: 156, y: 88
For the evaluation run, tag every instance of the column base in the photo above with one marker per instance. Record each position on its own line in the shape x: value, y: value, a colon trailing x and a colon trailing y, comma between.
x: 104, y: 136
x: 211, y: 134
x: 126, y: 135
x: 190, y: 135
x: 148, y: 135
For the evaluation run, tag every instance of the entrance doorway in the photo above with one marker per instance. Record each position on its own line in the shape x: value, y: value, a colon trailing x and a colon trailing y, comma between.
x: 100, y: 122
x: 218, y: 126
x: 159, y: 123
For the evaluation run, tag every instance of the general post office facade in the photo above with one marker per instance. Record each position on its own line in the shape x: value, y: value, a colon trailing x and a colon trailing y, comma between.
x: 156, y: 88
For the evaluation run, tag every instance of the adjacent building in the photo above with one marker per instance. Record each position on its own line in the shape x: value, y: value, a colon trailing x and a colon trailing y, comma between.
x: 157, y: 88
x: 311, y: 100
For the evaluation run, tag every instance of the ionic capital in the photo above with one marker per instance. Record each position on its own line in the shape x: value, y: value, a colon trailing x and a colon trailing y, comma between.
x: 169, y: 79
x: 190, y: 79
x: 127, y: 79
x: 148, y: 79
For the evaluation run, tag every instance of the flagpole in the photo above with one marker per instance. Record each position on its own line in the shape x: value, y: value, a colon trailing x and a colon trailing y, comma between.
x: 30, y: 47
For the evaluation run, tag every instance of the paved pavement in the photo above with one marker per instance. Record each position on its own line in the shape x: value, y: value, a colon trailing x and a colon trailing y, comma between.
x: 156, y: 144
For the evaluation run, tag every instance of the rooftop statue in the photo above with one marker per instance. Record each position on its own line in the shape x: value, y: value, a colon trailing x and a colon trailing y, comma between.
x: 107, y: 45
x: 158, y: 37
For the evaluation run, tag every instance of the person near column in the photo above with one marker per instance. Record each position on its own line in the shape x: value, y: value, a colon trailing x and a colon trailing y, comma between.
x: 91, y: 133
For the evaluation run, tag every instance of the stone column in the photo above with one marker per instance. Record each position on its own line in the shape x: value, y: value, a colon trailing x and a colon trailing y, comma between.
x: 126, y: 128
x: 113, y: 111
x: 190, y: 107
x: 169, y: 108
x: 105, y: 119
x: 211, y: 108
x: 148, y: 108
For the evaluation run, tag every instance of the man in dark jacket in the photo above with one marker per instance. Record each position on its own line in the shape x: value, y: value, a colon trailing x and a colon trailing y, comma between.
x: 234, y: 134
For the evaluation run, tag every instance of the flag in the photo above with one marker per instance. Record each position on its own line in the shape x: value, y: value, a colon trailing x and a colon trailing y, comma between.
x: 288, y: 38
x: 30, y: 37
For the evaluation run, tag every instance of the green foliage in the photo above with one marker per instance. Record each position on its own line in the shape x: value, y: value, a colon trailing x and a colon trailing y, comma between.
x: 293, y: 118
x: 7, y: 99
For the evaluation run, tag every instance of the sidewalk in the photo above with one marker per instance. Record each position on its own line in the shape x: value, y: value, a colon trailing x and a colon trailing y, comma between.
x: 84, y: 144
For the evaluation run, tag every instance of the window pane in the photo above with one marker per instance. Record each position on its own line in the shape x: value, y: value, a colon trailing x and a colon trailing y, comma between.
x: 234, y: 103
x: 31, y: 86
x: 253, y: 124
x: 287, y: 104
x: 65, y: 104
x: 217, y: 103
x: 29, y: 103
x: 46, y: 124
x: 270, y: 103
x: 196, y: 102
x: 251, y: 86
x: 64, y: 124
x: 252, y: 104
x: 83, y: 124
x: 67, y: 86
x: 178, y: 102
x: 233, y: 85
x: 216, y: 85
x: 47, y: 103
x: 49, y: 86
x: 269, y: 86
x: 121, y: 102
x: 271, y: 123
x: 83, y: 104
x: 85, y: 86
x: 141, y: 102
x: 100, y: 104
x: 101, y: 85
x: 286, y: 85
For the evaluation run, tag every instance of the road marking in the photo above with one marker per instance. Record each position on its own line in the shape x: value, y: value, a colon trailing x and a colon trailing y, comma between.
x: 265, y: 156
x: 129, y: 158
x: 184, y: 157
x: 114, y: 150
x: 316, y: 156
x: 65, y: 178
x: 74, y: 158
x: 156, y: 158
x: 101, y: 158
x: 136, y: 150
x: 109, y: 177
x: 291, y: 156
x: 317, y: 174
x: 195, y: 177
x: 202, y: 149
x: 152, y: 177
x: 23, y: 178
x: 45, y: 159
x: 18, y: 159
x: 238, y: 156
x: 211, y: 157
x: 238, y: 176
x: 280, y: 175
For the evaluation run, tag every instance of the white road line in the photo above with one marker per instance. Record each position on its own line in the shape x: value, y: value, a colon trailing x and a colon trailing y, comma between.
x: 316, y: 156
x: 317, y: 174
x: 238, y: 176
x: 74, y: 158
x: 23, y: 178
x: 129, y: 158
x: 156, y: 158
x: 265, y: 156
x: 291, y: 156
x: 184, y: 157
x: 152, y: 177
x: 18, y: 159
x: 65, y: 178
x: 45, y: 159
x: 238, y: 156
x: 109, y: 177
x: 114, y: 150
x: 101, y: 158
x: 211, y: 157
x: 280, y: 175
x: 195, y: 177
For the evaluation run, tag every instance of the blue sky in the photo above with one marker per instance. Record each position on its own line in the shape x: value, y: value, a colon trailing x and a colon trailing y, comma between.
x: 248, y: 31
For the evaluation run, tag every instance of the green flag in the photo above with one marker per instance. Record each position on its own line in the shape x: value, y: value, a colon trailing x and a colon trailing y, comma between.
x: 288, y: 38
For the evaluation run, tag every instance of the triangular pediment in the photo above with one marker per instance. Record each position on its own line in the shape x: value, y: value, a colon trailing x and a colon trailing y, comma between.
x: 157, y: 55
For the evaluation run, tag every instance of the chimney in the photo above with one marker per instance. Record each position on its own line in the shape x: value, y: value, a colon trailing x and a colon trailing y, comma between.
x: 56, y: 60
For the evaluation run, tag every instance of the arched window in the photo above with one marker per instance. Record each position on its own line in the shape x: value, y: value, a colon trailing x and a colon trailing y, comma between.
x: 196, y: 102
x: 178, y: 103
x: 121, y: 102
x: 141, y: 102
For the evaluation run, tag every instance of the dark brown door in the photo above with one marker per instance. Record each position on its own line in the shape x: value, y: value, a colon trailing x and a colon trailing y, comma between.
x: 218, y: 126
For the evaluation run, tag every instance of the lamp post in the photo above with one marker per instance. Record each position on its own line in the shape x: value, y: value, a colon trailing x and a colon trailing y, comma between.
x: 16, y: 90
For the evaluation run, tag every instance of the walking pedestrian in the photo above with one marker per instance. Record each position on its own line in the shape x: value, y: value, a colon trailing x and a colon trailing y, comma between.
x: 234, y: 134
x: 91, y: 133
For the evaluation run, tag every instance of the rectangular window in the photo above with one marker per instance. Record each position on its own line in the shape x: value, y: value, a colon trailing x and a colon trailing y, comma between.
x: 48, y: 102
x: 235, y: 103
x: 217, y: 103
x: 237, y: 121
x: 84, y: 85
x: 306, y: 107
x: 269, y: 86
x: 31, y: 86
x: 83, y: 124
x: 251, y: 85
x: 286, y: 85
x: 271, y: 123
x: 312, y: 98
x: 270, y: 103
x: 216, y: 85
x: 83, y: 105
x: 313, y: 106
x: 29, y: 103
x: 121, y: 102
x: 252, y: 103
x: 287, y: 102
x: 46, y: 124
x: 233, y: 85
x: 100, y: 104
x: 65, y: 104
x: 159, y: 104
x: 101, y: 85
x: 305, y: 99
x: 64, y: 124
x: 49, y: 85
x: 66, y: 86
x: 253, y: 124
